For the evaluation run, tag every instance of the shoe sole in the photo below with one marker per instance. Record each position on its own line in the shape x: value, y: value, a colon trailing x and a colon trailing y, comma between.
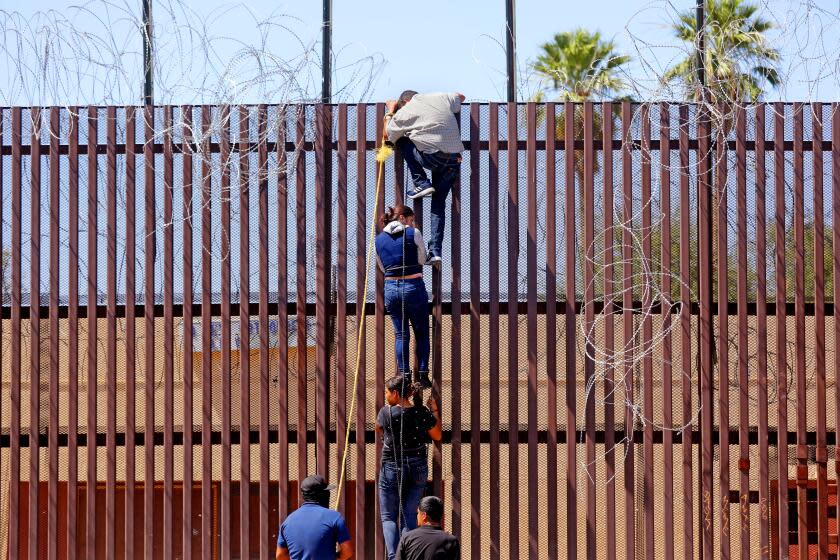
x: 425, y: 192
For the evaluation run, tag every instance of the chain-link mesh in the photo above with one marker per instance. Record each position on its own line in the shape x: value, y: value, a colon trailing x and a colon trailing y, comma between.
x: 622, y: 358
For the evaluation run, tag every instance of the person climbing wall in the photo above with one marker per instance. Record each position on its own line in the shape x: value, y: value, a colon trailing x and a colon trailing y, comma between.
x: 407, y: 428
x: 423, y: 126
x: 401, y: 253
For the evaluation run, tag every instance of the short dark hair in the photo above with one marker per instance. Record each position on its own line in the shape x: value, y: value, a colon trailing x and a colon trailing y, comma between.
x: 405, y: 97
x: 432, y: 506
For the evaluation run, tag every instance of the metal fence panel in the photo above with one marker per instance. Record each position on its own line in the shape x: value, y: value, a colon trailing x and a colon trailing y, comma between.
x: 249, y: 212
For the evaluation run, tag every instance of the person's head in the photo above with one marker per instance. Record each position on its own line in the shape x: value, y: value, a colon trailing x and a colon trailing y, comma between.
x: 401, y: 213
x: 315, y: 489
x: 405, y: 97
x: 430, y: 511
x: 398, y: 387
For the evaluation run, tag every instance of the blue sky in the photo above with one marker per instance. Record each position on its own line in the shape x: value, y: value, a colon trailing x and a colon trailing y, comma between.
x: 449, y: 45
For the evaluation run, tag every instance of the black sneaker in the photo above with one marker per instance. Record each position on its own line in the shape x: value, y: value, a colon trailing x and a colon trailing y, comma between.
x: 418, y: 192
x: 422, y: 378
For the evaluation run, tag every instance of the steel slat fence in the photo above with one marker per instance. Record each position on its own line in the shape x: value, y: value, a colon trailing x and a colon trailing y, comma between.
x: 688, y: 255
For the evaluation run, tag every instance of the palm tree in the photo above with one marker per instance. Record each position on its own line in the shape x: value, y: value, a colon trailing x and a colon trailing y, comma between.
x: 739, y: 61
x: 581, y: 66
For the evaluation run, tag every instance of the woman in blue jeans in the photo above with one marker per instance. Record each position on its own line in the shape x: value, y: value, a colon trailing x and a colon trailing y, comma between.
x: 406, y: 428
x: 401, y: 254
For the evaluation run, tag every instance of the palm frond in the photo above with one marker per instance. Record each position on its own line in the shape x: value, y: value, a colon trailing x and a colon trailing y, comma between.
x: 581, y: 65
x: 739, y: 59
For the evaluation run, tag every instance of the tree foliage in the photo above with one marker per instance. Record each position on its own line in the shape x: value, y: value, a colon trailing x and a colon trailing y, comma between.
x: 740, y: 63
x: 581, y: 66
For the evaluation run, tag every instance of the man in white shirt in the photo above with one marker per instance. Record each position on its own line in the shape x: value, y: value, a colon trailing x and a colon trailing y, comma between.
x: 423, y: 126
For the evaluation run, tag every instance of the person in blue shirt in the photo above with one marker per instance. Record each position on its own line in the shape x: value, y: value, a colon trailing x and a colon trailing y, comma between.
x: 401, y: 254
x: 313, y: 531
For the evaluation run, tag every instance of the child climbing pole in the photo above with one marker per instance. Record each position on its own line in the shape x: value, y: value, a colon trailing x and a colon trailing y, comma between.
x: 401, y: 254
x: 407, y: 428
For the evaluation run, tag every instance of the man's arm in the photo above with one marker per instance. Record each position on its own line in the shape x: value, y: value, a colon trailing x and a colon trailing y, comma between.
x: 345, y: 550
x: 342, y: 537
x: 390, y: 109
x: 393, y: 131
x: 282, y: 552
x: 378, y: 424
x: 436, y: 431
x: 455, y: 100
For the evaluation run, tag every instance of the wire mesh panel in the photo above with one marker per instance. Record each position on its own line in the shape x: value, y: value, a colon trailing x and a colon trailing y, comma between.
x: 633, y: 322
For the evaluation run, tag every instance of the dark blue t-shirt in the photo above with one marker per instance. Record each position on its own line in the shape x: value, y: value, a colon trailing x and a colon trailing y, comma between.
x: 311, y: 532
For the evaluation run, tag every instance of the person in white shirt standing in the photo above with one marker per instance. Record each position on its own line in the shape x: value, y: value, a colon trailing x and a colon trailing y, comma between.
x: 423, y: 126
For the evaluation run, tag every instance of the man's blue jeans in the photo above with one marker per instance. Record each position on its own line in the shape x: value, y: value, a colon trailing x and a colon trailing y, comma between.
x: 407, y: 302
x: 400, y: 486
x: 445, y: 169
